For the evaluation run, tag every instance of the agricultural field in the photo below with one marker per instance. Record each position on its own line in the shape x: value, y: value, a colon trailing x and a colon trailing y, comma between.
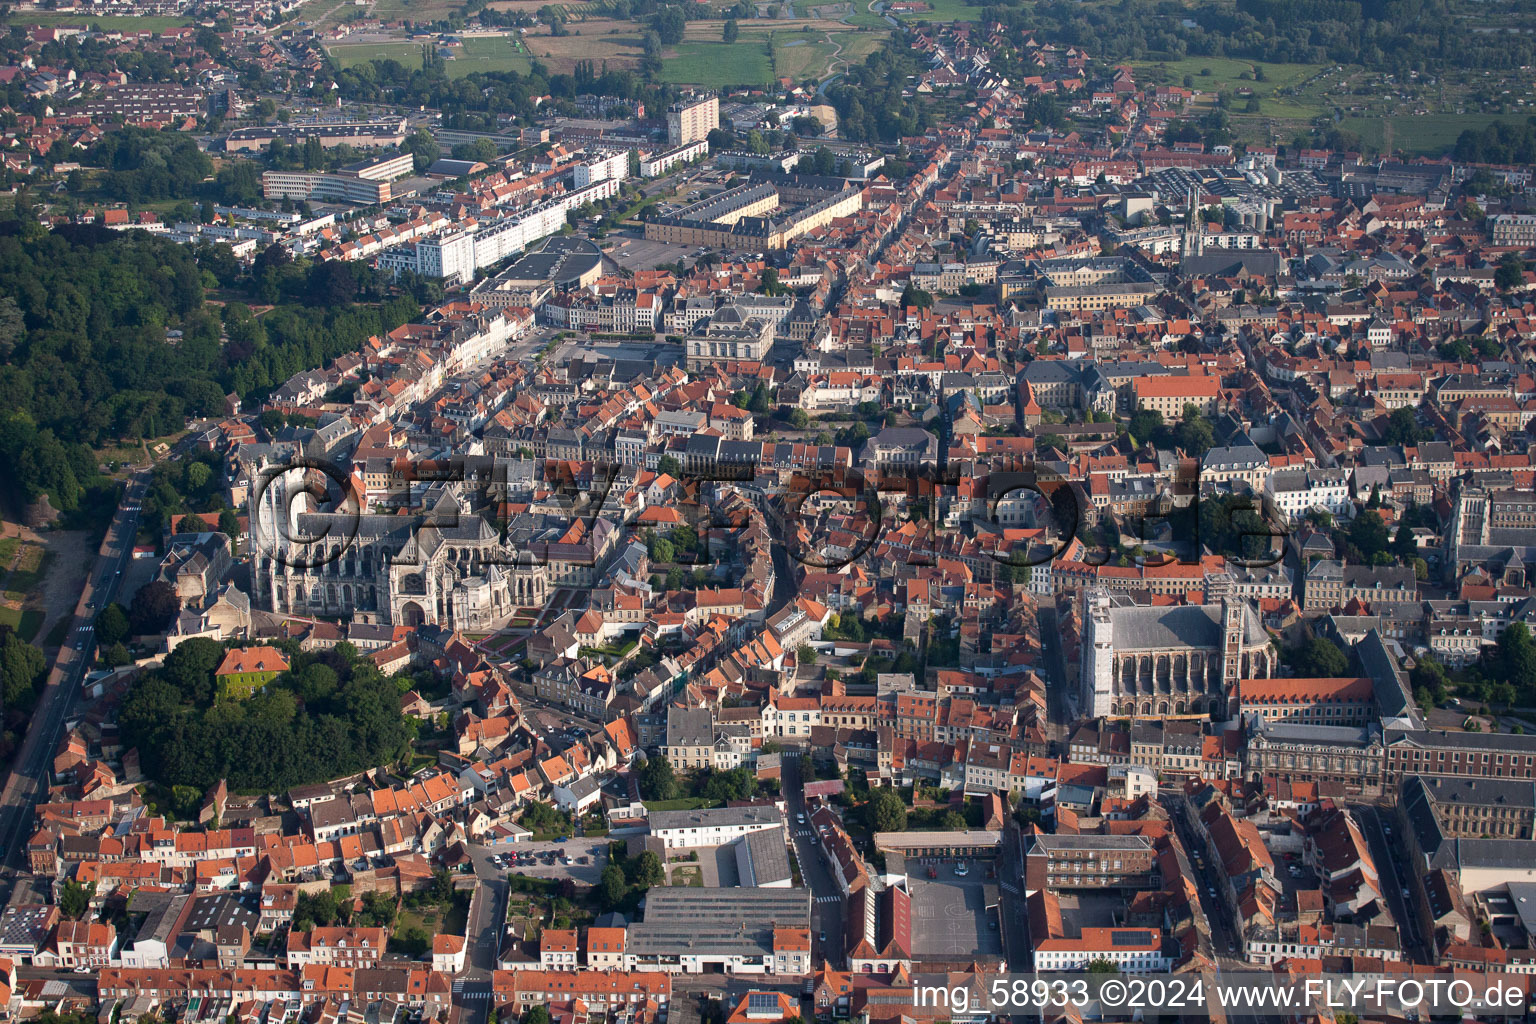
x: 413, y: 10
x: 597, y: 40
x: 943, y: 11
x: 1429, y: 134
x: 716, y: 64
x: 800, y: 48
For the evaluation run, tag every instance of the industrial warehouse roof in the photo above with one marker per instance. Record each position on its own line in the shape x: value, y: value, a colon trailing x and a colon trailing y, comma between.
x: 725, y: 922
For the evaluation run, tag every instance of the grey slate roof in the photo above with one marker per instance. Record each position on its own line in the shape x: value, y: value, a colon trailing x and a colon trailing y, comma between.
x: 1135, y: 628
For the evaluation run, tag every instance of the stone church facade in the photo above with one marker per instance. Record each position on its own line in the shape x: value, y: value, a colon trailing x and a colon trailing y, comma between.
x: 1158, y: 662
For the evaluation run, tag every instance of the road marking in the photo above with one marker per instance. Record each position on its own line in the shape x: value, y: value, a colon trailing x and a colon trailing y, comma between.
x: 829, y: 899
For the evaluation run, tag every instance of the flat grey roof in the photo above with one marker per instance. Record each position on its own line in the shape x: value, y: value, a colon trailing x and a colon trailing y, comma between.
x: 768, y: 856
x: 941, y: 840
x: 718, y: 921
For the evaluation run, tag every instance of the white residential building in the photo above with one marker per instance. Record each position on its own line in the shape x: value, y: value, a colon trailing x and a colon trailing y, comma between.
x: 712, y: 827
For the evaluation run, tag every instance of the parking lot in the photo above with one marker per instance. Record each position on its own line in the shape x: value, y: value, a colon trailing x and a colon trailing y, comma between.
x: 546, y: 863
x: 644, y: 254
x: 950, y: 913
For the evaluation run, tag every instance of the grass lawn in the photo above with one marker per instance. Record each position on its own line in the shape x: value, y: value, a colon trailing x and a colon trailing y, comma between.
x: 688, y: 875
x: 28, y: 575
x: 1430, y: 134
x: 347, y: 55
x: 491, y: 53
x: 106, y: 22
x: 944, y: 10
x: 26, y: 622
x: 806, y: 58
x: 716, y: 64
x: 8, y: 546
x: 425, y: 918
x: 862, y: 18
x: 1226, y: 73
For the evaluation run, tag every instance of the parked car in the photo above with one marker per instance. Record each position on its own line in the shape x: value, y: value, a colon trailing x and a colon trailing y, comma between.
x: 962, y: 869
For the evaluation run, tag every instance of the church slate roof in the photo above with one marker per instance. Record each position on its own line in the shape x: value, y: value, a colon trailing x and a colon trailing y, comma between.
x: 1136, y: 628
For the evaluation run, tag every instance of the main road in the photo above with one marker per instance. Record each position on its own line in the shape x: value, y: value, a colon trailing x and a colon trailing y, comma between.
x: 828, y: 943
x: 28, y: 780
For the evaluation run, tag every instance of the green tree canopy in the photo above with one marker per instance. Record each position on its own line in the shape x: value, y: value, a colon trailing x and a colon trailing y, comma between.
x: 657, y: 779
x: 1318, y: 658
x: 885, y: 812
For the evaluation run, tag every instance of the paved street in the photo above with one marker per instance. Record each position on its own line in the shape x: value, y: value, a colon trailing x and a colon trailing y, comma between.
x: 28, y: 779
x: 1060, y: 696
x: 1224, y: 936
x: 1391, y: 866
x: 826, y: 897
x: 484, y: 928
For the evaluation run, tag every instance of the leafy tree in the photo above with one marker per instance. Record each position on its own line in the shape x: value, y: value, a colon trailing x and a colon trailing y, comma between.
x: 1318, y: 658
x: 885, y: 811
x: 1145, y: 423
x: 611, y: 887
x: 116, y: 655
x: 1403, y: 428
x: 1195, y: 434
x: 537, y: 1014
x: 262, y: 742
x: 153, y: 608
x: 112, y: 624
x: 415, y: 941
x: 731, y: 31
x: 1510, y: 272
x: 669, y: 24
x: 805, y: 654
x: 647, y: 870
x: 378, y: 911
x: 75, y: 899
x: 657, y: 779
x: 192, y: 523
x: 190, y: 667
x: 315, y: 908
x: 1514, y: 656
x: 480, y: 150
x: 669, y: 465
x: 423, y: 148
x: 735, y: 784
x: 799, y: 419
x: 913, y: 297
x: 23, y: 668
x: 1102, y: 966
x: 1368, y: 535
